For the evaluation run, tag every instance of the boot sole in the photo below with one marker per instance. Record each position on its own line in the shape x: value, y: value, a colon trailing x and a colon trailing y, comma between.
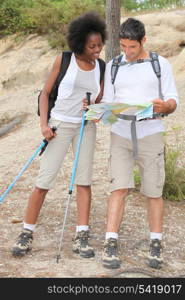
x: 113, y: 266
x: 155, y: 264
x: 18, y: 253
x: 83, y: 254
x: 87, y: 255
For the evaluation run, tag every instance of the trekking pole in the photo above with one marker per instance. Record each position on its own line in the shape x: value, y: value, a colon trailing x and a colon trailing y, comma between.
x: 29, y: 161
x: 74, y: 169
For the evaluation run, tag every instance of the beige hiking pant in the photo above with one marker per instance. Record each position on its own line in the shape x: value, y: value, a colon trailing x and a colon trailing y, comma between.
x: 150, y: 162
x: 57, y: 148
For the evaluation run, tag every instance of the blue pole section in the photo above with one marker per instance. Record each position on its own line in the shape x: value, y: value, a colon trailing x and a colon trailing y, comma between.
x: 75, y: 164
x: 22, y: 170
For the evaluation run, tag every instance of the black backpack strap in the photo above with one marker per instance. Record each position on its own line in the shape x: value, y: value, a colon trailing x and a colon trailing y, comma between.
x: 157, y: 70
x: 115, y: 66
x: 66, y: 58
x: 102, y: 68
x: 155, y: 63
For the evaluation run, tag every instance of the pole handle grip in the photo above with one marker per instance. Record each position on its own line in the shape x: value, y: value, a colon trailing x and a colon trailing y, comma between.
x: 88, y: 95
x: 46, y: 142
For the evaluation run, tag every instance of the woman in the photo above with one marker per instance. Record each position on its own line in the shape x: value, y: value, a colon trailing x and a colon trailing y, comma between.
x: 86, y: 37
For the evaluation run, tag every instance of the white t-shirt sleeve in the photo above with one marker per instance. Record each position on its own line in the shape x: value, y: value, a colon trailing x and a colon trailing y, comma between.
x: 169, y: 90
x: 108, y: 94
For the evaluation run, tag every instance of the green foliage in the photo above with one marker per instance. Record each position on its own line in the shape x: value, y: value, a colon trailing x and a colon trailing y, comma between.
x: 11, y: 17
x: 51, y: 17
x: 130, y: 5
x: 174, y: 187
x: 44, y: 17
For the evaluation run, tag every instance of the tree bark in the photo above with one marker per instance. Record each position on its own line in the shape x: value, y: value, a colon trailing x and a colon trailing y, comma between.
x: 113, y: 15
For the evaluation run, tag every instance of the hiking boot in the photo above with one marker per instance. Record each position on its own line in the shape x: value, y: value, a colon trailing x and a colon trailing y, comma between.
x: 155, y: 258
x: 23, y: 243
x: 110, y: 257
x: 81, y: 244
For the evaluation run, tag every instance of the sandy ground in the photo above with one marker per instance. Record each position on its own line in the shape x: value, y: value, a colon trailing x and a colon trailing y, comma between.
x: 23, y: 69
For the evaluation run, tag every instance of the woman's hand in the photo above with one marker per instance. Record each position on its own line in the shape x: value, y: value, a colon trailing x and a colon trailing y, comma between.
x: 47, y: 132
x: 85, y: 104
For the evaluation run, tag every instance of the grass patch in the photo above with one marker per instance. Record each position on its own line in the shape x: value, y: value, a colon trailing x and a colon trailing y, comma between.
x: 174, y: 187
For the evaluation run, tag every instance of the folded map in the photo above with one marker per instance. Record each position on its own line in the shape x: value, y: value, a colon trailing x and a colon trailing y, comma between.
x: 108, y: 111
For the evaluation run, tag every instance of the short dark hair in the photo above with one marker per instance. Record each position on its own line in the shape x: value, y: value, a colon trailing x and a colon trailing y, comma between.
x: 132, y: 29
x: 80, y: 28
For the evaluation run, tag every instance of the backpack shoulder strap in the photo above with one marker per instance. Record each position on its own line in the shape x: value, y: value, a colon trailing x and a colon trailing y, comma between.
x: 102, y: 68
x: 114, y: 68
x: 155, y: 63
x: 66, y: 58
x: 157, y: 69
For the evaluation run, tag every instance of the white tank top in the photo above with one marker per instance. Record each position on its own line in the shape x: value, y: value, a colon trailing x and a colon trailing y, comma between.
x: 72, y: 89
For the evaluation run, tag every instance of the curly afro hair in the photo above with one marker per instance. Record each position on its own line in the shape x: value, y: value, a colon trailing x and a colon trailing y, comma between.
x: 81, y: 27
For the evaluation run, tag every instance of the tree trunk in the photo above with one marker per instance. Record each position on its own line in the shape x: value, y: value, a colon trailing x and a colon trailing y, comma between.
x: 113, y: 15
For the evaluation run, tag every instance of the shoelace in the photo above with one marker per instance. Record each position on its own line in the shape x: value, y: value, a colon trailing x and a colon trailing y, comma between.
x: 24, y: 239
x: 84, y: 238
x: 111, y: 248
x: 155, y: 249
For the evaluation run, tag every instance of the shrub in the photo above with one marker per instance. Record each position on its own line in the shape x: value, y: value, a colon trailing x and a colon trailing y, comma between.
x: 11, y: 18
x: 44, y: 17
x: 174, y: 187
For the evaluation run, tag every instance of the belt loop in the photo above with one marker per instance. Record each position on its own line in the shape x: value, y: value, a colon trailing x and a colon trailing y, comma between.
x: 134, y: 139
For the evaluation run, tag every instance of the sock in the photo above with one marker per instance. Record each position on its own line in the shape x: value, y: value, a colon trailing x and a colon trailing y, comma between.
x: 155, y: 235
x: 29, y: 226
x: 109, y: 235
x: 82, y: 227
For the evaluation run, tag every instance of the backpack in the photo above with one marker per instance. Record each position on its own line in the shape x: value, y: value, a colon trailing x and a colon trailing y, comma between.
x: 153, y: 59
x: 157, y: 70
x: 66, y: 58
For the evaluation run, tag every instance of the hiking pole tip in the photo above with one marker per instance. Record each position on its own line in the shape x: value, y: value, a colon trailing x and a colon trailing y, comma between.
x: 57, y: 258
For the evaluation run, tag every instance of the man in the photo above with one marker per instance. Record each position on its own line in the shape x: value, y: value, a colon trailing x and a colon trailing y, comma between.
x: 137, y: 83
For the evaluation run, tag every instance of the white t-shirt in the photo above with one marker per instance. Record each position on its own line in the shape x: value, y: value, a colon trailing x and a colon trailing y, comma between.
x: 72, y: 89
x: 137, y: 83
